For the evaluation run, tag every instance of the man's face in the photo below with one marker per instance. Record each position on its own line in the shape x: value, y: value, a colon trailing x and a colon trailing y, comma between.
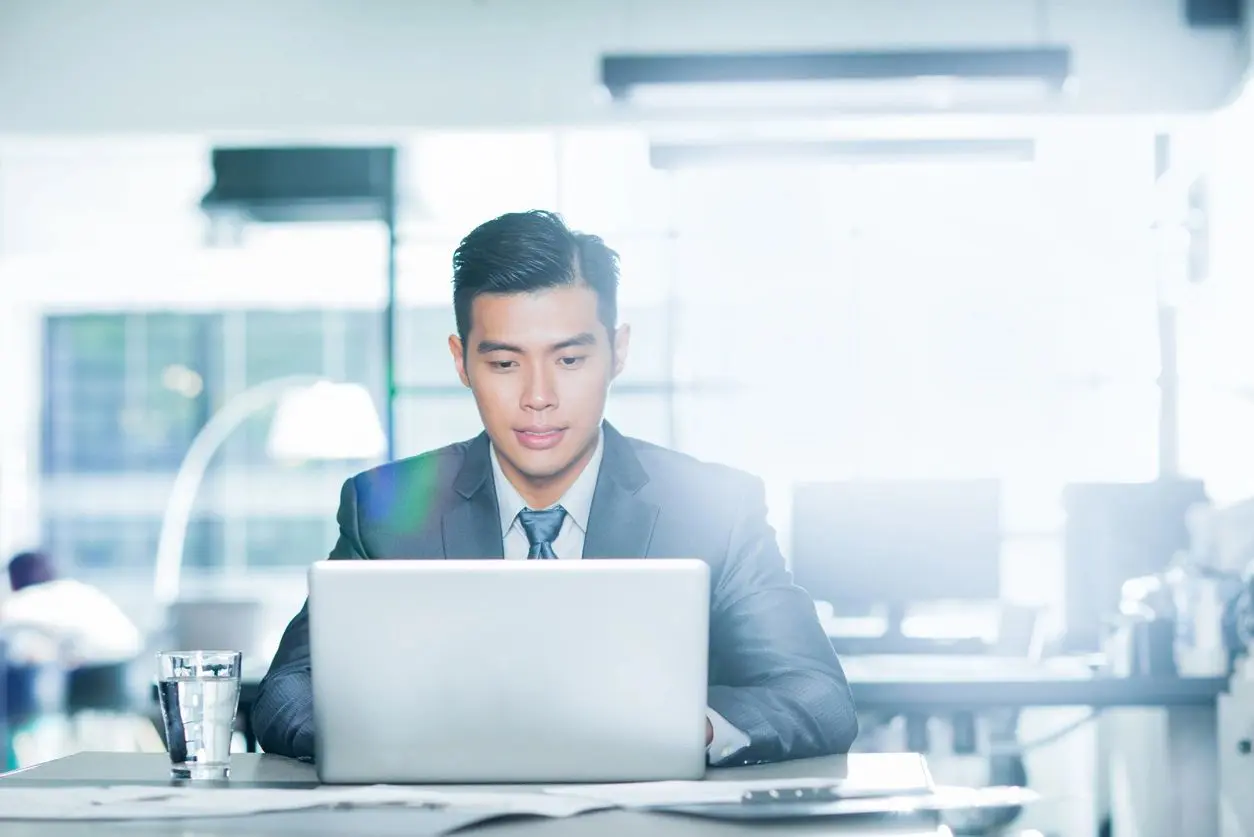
x: 540, y: 365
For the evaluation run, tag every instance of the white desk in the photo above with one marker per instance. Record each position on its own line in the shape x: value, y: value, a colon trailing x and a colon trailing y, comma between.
x: 252, y: 770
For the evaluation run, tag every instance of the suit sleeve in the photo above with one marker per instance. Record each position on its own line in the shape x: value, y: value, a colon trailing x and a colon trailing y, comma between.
x: 282, y: 714
x: 782, y: 684
x: 727, y: 741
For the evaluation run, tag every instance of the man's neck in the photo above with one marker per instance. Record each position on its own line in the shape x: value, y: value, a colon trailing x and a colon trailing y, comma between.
x: 540, y: 494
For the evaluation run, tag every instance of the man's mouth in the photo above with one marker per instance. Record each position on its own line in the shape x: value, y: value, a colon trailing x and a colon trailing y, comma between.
x: 539, y: 438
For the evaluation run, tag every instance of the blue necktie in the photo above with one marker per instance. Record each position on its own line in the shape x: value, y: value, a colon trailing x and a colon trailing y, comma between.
x: 542, y: 528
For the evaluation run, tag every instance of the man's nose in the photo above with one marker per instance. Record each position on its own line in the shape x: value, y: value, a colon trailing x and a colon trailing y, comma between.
x: 540, y: 393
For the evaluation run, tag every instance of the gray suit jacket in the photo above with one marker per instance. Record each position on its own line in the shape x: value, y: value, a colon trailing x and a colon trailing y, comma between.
x: 773, y: 673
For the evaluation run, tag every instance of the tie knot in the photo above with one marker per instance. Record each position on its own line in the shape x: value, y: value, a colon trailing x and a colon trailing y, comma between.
x: 542, y: 526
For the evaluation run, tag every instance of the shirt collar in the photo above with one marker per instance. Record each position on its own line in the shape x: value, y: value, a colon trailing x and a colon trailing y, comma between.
x: 577, y: 500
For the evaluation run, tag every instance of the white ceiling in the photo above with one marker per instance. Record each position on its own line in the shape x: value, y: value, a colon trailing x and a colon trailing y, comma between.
x: 291, y: 67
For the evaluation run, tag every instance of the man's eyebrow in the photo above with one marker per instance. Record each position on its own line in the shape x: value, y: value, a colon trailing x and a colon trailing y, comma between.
x: 486, y: 346
x: 587, y: 338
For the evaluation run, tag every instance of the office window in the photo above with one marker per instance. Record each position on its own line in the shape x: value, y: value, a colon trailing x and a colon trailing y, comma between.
x: 85, y: 546
x: 178, y: 373
x: 125, y: 392
x: 276, y: 344
x: 426, y: 423
x: 204, y: 548
x: 85, y: 386
x: 422, y: 356
x: 363, y: 347
x: 278, y: 542
x: 433, y: 409
x: 281, y: 343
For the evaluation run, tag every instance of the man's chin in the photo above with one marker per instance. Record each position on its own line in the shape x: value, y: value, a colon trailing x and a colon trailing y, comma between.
x: 541, y: 469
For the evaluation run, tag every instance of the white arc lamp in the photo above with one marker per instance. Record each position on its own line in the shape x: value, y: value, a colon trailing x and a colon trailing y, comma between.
x: 314, y: 419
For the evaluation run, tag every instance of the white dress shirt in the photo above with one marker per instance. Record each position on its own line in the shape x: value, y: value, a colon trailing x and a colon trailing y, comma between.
x: 568, y: 546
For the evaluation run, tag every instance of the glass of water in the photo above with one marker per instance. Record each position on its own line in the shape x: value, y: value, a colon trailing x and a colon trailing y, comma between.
x: 199, y: 693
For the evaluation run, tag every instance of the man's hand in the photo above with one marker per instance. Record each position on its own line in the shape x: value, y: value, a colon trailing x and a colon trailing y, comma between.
x: 709, y: 732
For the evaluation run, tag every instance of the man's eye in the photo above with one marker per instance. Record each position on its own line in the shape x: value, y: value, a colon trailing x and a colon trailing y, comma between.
x: 502, y: 364
x: 570, y: 362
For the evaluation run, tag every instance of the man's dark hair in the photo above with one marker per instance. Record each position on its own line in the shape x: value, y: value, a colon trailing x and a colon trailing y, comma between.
x: 521, y: 252
x: 27, y: 569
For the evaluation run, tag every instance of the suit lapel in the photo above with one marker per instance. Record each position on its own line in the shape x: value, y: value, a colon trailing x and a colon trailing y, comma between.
x: 620, y: 524
x: 472, y: 526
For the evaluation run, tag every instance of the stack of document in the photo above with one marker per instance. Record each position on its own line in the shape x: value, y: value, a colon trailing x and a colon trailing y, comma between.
x: 141, y: 803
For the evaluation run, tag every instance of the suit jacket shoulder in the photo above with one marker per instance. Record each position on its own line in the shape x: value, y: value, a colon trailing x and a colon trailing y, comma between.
x: 707, y: 499
x: 705, y: 509
x: 409, y: 496
x: 676, y: 472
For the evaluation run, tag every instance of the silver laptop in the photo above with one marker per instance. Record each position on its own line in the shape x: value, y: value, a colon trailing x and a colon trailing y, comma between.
x: 509, y: 671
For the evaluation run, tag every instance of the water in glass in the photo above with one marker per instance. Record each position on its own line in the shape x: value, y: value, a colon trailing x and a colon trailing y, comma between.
x: 199, y: 694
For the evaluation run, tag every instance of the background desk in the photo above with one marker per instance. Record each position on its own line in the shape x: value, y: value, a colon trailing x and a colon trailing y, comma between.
x: 932, y: 683
x: 1182, y: 792
x: 252, y: 770
x: 908, y: 684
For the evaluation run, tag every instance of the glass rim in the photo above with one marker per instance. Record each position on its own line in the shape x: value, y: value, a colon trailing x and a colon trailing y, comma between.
x: 200, y: 653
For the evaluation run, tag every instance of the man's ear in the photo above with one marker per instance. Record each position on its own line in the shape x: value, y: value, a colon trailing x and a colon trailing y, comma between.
x: 622, y: 342
x: 457, y: 349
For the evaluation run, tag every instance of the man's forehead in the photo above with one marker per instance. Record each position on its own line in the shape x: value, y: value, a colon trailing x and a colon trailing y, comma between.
x: 568, y: 310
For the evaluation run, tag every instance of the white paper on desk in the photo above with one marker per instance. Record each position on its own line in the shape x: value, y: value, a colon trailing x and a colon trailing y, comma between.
x: 652, y: 794
x: 161, y: 802
x: 871, y: 782
x: 949, y: 798
x: 513, y: 802
x: 857, y: 801
x: 938, y: 800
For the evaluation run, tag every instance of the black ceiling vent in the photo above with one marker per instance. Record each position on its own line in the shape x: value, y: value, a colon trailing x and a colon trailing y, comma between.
x: 621, y: 74
x: 1218, y: 13
x: 286, y: 185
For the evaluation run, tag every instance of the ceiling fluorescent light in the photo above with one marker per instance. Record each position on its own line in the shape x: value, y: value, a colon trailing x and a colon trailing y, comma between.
x: 869, y: 81
x: 687, y: 155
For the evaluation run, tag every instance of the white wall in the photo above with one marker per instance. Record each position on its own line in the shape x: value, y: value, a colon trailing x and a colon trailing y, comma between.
x: 1216, y: 342
x: 291, y: 66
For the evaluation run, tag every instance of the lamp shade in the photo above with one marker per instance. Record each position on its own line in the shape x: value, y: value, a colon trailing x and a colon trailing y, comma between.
x: 326, y: 421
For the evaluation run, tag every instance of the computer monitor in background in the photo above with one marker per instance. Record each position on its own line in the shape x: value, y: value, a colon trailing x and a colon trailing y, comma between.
x: 897, y: 543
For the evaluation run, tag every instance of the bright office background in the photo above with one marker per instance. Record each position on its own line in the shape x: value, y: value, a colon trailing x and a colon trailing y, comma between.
x: 796, y: 319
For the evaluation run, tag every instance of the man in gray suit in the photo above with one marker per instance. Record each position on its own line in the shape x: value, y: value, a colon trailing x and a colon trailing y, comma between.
x: 538, y: 344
